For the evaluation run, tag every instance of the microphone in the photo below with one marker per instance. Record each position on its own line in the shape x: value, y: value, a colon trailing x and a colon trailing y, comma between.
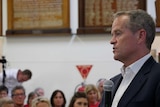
x: 108, y: 86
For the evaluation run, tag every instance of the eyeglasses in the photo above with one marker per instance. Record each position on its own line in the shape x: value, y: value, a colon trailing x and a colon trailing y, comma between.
x: 16, y: 95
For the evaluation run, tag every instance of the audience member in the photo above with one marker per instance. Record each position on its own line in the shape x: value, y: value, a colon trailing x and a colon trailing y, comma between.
x: 79, y: 99
x: 99, y: 85
x: 15, y: 77
x: 6, y: 102
x: 41, y: 101
x: 3, y: 91
x: 93, y: 95
x: 39, y: 91
x: 31, y: 96
x: 58, y: 99
x: 138, y: 84
x: 18, y: 96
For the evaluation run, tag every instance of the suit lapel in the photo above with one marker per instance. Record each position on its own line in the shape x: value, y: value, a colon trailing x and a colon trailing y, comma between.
x: 137, y: 83
x: 117, y: 80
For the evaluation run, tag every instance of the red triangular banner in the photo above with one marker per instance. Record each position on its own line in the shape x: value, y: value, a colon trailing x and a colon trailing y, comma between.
x: 84, y: 70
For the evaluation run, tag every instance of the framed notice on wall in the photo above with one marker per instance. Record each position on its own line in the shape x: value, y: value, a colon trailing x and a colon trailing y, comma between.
x: 95, y: 16
x: 157, y: 7
x: 38, y: 17
x: 0, y: 17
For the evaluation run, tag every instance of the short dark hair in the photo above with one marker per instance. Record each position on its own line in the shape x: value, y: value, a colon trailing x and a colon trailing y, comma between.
x: 28, y: 73
x: 3, y: 88
x: 19, y: 87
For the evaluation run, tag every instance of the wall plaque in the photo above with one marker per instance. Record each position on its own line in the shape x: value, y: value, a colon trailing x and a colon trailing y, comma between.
x: 38, y: 17
x: 95, y: 16
x: 157, y: 6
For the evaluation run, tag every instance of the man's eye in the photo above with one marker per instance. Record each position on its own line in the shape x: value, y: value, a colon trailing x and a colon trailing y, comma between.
x: 118, y: 33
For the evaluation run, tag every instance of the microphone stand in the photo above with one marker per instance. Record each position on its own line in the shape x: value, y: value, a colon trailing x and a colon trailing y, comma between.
x: 3, y: 61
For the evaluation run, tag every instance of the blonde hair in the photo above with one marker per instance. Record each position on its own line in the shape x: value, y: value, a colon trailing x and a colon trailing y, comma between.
x: 5, y: 100
x: 91, y: 87
x: 40, y: 99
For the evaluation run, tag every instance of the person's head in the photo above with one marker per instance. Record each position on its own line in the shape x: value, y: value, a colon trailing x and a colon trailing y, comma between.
x: 18, y: 95
x: 6, y: 102
x: 92, y: 93
x: 100, y: 85
x: 40, y: 102
x: 58, y: 99
x: 79, y: 99
x: 24, y: 75
x: 133, y: 33
x: 39, y: 91
x: 31, y: 96
x: 3, y: 91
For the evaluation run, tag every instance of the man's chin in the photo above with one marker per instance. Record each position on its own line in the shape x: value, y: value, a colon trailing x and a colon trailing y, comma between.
x: 115, y: 57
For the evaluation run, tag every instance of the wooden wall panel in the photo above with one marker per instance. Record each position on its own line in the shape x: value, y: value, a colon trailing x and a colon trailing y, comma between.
x: 38, y: 16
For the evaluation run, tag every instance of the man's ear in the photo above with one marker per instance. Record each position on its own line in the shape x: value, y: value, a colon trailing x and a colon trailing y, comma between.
x: 141, y: 35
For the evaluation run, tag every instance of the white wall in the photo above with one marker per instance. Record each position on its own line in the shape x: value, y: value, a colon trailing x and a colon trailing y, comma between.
x: 53, y: 59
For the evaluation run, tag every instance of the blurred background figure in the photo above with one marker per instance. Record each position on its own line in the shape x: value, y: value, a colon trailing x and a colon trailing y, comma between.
x: 3, y: 91
x: 41, y: 101
x: 39, y: 91
x: 15, y: 77
x: 31, y: 96
x: 58, y: 99
x: 6, y: 102
x: 99, y: 85
x: 18, y: 96
x: 79, y: 99
x: 93, y: 95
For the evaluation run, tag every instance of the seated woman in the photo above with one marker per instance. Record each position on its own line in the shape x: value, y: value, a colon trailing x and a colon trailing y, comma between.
x: 79, y: 99
x: 93, y: 95
x: 58, y: 99
x: 41, y: 102
x: 31, y: 96
x: 6, y: 102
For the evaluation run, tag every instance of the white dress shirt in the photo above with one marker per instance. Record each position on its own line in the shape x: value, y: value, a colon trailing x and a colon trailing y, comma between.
x: 10, y: 80
x: 128, y: 74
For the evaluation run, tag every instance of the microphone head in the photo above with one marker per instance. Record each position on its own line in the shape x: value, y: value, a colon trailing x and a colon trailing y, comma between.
x: 108, y: 85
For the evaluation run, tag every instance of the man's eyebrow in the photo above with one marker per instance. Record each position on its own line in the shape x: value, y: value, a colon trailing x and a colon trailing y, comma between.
x: 116, y: 30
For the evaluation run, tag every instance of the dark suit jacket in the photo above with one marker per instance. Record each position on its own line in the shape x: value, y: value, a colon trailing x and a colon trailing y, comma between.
x: 143, y: 91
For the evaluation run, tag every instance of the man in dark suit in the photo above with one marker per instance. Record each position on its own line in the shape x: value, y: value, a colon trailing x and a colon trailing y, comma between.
x: 138, y: 85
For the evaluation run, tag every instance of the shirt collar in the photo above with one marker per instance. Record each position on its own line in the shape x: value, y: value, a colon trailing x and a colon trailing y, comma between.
x: 135, y: 67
